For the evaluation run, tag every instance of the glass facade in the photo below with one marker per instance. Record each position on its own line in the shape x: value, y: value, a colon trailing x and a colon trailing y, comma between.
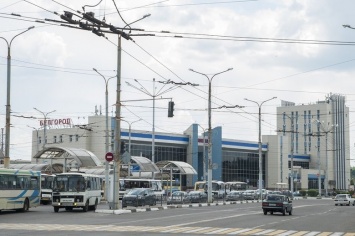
x: 162, y: 152
x: 242, y: 166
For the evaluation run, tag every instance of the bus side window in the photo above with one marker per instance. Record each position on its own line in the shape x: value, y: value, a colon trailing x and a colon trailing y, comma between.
x: 89, y: 184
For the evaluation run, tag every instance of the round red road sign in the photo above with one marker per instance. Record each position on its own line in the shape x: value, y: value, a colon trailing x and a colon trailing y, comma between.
x: 109, y: 156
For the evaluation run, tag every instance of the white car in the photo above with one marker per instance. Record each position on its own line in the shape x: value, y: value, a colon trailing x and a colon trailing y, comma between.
x: 344, y: 199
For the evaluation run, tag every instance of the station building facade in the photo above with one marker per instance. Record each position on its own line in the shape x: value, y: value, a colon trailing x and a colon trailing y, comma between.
x: 232, y: 160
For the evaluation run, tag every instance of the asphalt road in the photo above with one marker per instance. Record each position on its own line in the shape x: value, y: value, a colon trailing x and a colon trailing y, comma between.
x: 310, y: 217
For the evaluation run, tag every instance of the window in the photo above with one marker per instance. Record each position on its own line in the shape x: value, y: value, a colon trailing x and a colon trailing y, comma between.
x: 39, y: 140
x: 55, y: 139
x: 76, y: 137
x: 61, y: 138
x: 70, y: 138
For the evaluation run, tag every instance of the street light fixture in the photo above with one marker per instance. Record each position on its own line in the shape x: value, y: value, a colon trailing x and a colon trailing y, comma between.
x: 107, y: 169
x: 209, y: 172
x: 44, y: 125
x: 8, y: 106
x: 260, y: 147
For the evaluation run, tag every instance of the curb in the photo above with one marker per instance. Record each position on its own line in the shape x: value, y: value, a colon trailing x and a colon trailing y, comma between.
x: 126, y: 211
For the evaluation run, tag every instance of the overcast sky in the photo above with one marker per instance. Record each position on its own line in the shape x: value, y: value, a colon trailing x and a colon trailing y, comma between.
x: 294, y: 50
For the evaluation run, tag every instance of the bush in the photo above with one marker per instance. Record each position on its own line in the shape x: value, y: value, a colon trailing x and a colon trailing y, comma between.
x: 313, y: 193
x: 303, y: 193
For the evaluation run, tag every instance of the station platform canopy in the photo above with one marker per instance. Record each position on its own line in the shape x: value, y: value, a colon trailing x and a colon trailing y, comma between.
x: 74, y: 156
x: 43, y: 168
x: 181, y: 167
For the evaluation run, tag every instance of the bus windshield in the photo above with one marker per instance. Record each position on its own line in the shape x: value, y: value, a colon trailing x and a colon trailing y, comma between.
x: 47, y: 181
x: 70, y: 183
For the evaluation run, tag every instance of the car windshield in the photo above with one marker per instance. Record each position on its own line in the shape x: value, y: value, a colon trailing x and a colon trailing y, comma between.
x: 136, y: 192
x: 340, y: 196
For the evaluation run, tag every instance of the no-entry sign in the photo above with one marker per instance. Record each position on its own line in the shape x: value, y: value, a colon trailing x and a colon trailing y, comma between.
x: 109, y: 156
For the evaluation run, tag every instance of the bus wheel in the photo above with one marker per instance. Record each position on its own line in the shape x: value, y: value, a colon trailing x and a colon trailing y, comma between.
x: 56, y: 209
x: 86, y: 207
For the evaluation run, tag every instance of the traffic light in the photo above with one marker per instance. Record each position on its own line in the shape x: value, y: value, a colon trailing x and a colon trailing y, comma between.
x: 171, y: 109
x: 123, y: 147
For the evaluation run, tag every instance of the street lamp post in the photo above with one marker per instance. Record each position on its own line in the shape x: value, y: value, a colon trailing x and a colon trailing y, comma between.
x: 209, y: 172
x: 129, y: 142
x: 260, y: 146
x: 8, y: 106
x: 107, y: 169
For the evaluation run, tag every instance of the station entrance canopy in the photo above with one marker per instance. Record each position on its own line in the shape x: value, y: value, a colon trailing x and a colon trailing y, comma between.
x: 76, y: 157
x: 43, y: 168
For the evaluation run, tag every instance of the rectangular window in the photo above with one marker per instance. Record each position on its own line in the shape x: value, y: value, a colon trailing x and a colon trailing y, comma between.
x: 61, y: 138
x: 76, y: 137
x: 39, y: 140
x: 70, y: 138
x: 55, y: 139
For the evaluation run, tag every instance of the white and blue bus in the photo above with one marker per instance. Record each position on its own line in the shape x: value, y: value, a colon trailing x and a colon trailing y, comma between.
x: 19, y: 189
x: 76, y: 190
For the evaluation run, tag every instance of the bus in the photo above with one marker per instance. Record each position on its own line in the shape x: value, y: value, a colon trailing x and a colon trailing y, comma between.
x: 46, y: 188
x: 236, y: 186
x: 76, y: 190
x: 219, y: 189
x: 127, y: 184
x: 19, y: 189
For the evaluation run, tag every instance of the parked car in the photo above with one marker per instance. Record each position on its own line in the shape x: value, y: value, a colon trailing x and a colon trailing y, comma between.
x: 178, y: 197
x: 235, y: 196
x: 197, y: 197
x: 250, y: 195
x: 344, y: 199
x: 139, y: 197
x: 277, y: 203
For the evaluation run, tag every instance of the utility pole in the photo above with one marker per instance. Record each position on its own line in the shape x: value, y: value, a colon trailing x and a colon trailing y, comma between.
x: 154, y: 94
x: 260, y: 147
x: 210, y: 160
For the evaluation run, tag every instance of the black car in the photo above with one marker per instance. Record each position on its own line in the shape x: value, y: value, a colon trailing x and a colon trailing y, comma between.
x: 197, y: 197
x: 139, y: 197
x: 277, y: 203
x: 178, y: 197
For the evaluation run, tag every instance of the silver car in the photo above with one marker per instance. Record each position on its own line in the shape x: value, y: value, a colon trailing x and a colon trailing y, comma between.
x: 344, y: 199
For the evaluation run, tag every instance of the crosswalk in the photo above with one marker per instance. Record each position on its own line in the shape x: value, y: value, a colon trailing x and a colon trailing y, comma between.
x: 170, y: 230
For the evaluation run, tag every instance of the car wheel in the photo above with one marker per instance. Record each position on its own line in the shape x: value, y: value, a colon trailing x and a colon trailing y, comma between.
x: 348, y: 204
x: 290, y: 212
x: 284, y: 212
x: 56, y: 209
x: 265, y: 212
x: 336, y: 204
x: 271, y: 212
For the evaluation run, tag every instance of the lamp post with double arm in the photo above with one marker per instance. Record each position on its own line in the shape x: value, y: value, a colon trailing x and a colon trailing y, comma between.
x: 209, y: 164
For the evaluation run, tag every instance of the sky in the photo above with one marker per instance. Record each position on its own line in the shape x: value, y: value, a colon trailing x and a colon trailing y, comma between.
x: 296, y: 51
